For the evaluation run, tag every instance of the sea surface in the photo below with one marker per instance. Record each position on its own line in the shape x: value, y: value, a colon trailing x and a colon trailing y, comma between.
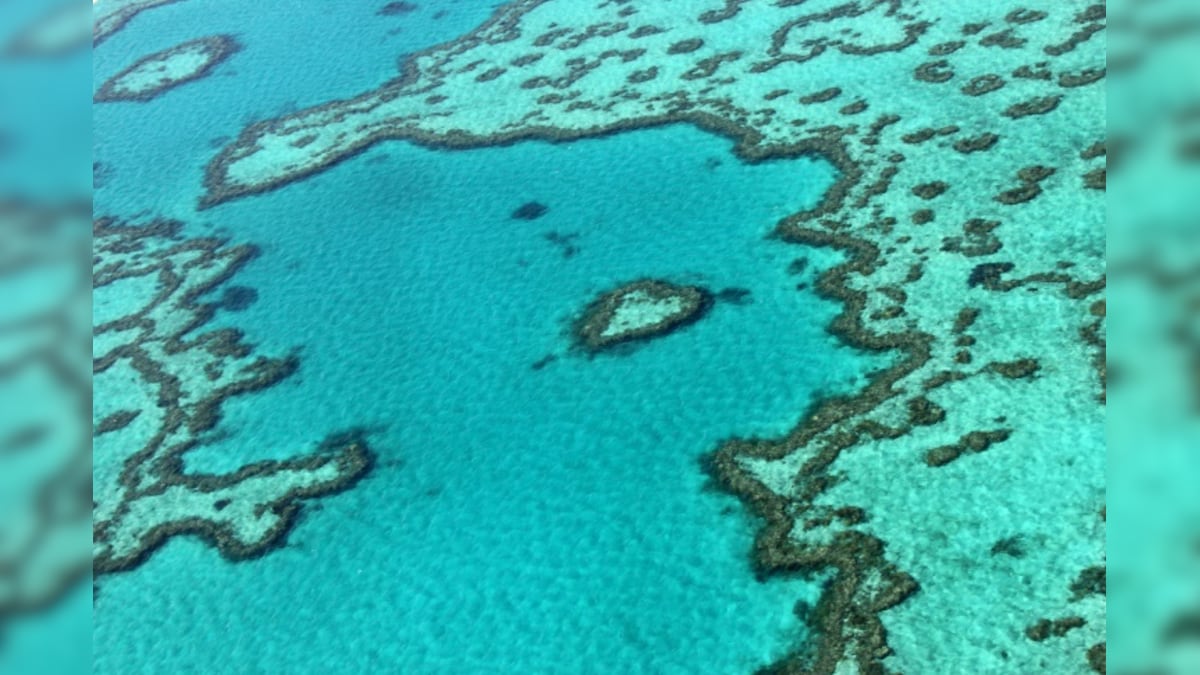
x: 518, y: 519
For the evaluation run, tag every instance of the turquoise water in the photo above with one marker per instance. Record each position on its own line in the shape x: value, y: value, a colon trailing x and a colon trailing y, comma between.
x: 44, y: 119
x: 44, y: 134
x: 518, y: 519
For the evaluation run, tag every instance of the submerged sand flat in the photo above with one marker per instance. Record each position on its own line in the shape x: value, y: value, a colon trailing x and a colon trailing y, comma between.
x: 637, y: 311
x: 958, y: 501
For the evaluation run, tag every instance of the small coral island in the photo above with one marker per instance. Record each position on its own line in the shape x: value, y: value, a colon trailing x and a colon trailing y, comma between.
x: 151, y: 76
x: 639, y: 310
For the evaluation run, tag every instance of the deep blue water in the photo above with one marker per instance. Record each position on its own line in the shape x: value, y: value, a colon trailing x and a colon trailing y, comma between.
x: 519, y: 520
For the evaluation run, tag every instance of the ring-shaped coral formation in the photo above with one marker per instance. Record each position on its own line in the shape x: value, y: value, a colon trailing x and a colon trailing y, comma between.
x: 154, y: 74
x: 639, y: 310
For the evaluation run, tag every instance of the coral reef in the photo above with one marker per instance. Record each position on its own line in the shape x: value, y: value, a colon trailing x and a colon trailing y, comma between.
x: 45, y: 453
x: 160, y: 381
x: 58, y: 32
x: 151, y: 76
x: 639, y: 310
x: 530, y: 211
x: 928, y: 139
x: 111, y: 16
